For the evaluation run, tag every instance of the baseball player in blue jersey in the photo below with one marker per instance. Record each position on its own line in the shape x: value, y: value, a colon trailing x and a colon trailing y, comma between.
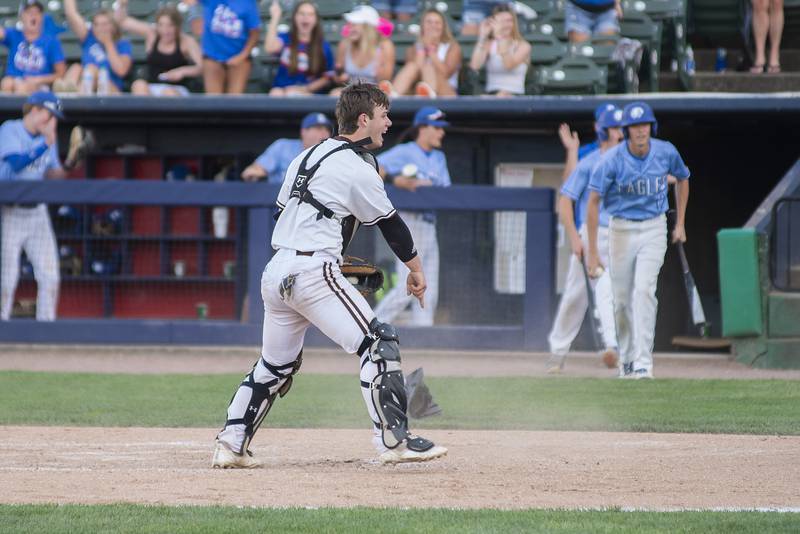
x: 35, y: 57
x: 632, y: 182
x: 571, y: 142
x: 418, y: 163
x: 28, y: 151
x: 574, y: 300
x: 315, y: 128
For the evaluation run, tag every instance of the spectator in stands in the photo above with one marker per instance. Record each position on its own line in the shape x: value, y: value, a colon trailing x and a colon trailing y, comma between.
x: 306, y: 59
x: 474, y: 12
x: 105, y: 56
x: 585, y: 18
x: 35, y: 58
x: 364, y: 55
x: 400, y: 10
x: 411, y: 165
x: 767, y: 19
x: 231, y: 29
x: 272, y: 164
x: 173, y: 57
x: 433, y: 62
x: 504, y: 52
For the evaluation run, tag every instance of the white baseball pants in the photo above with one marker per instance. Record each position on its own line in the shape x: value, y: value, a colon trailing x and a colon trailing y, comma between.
x: 321, y: 296
x: 575, y: 301
x: 396, y: 300
x: 636, y: 250
x: 29, y: 229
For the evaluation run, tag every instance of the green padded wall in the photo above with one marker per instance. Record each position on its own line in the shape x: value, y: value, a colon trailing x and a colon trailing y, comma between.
x: 740, y: 289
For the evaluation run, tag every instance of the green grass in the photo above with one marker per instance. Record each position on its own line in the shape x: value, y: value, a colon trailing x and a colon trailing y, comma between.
x: 145, y: 519
x: 334, y: 401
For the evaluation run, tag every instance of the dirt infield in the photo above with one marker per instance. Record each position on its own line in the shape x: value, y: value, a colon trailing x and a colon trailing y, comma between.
x: 508, y: 469
x: 211, y: 360
x: 497, y: 469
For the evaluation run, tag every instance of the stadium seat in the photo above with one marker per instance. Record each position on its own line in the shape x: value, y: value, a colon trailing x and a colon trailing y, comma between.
x: 546, y: 49
x: 672, y: 15
x: 715, y: 18
x: 570, y: 75
x: 334, y: 9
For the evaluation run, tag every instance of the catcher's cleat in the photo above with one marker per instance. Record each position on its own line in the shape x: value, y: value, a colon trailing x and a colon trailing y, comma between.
x: 81, y: 141
x: 224, y: 458
x: 555, y: 364
x: 610, y: 358
x: 414, y: 449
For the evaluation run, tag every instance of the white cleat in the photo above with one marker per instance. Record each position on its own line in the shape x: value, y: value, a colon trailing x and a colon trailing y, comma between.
x: 402, y: 454
x: 640, y: 374
x: 224, y: 458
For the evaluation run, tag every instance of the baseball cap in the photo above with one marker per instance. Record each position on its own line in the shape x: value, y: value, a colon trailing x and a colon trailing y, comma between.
x: 316, y: 119
x: 601, y: 108
x: 31, y: 3
x: 363, y: 15
x: 430, y: 116
x: 47, y: 100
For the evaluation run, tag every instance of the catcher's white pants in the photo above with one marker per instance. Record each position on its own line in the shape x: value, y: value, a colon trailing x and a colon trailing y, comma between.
x: 29, y: 230
x: 320, y: 296
x: 575, y: 301
x: 636, y: 250
x: 396, y: 300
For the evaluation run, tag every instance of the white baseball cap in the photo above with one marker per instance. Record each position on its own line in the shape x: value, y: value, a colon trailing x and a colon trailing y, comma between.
x: 363, y: 15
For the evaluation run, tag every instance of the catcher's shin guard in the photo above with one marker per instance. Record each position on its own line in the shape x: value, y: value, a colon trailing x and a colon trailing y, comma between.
x: 387, y: 389
x: 255, y: 407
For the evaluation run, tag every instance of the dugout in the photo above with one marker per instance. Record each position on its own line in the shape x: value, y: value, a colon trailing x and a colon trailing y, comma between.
x: 737, y: 147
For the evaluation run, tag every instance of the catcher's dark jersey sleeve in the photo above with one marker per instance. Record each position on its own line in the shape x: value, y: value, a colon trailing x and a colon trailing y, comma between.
x: 398, y: 236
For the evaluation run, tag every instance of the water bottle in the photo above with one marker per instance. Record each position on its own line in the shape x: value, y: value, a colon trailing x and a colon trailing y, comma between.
x: 690, y: 66
x: 722, y: 60
x: 87, y: 82
x: 102, y: 81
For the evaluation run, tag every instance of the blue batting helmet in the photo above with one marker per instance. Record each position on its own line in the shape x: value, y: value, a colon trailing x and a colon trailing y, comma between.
x: 639, y: 113
x: 610, y: 118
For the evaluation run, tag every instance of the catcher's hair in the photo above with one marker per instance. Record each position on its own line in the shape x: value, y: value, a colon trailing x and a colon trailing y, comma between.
x: 356, y: 99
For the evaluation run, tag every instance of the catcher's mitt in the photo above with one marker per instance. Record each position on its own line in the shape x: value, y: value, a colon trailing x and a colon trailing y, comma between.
x: 366, y: 277
x: 81, y: 142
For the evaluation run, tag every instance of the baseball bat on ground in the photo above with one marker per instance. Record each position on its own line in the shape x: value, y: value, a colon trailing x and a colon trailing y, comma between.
x: 595, y: 327
x: 695, y: 304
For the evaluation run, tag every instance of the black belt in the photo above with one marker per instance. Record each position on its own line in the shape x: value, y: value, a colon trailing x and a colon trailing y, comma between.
x: 25, y: 206
x: 303, y: 253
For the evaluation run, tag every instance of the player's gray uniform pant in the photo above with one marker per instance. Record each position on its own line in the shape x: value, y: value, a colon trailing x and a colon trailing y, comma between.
x: 636, y: 250
x: 396, y: 300
x: 29, y: 230
x: 574, y: 300
x: 321, y: 296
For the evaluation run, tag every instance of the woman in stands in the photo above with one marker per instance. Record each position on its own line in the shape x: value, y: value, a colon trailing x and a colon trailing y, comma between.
x: 365, y: 55
x: 104, y: 52
x: 585, y: 18
x: 432, y: 64
x: 35, y: 58
x: 504, y: 52
x: 767, y: 19
x: 306, y: 59
x: 173, y: 57
x: 231, y: 29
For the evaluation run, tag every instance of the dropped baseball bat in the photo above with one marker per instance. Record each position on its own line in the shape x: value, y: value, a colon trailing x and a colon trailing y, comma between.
x: 592, y: 308
x: 695, y: 305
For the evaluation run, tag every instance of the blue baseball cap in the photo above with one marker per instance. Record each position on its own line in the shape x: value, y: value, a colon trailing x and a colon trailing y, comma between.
x: 48, y: 101
x: 316, y: 119
x: 430, y: 116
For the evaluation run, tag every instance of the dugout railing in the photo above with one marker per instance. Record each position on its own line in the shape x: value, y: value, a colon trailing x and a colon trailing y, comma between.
x: 784, y: 258
x: 254, y: 207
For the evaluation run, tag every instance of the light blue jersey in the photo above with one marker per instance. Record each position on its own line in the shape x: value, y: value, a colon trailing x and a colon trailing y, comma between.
x: 430, y: 165
x: 577, y: 187
x: 636, y: 188
x: 277, y: 157
x: 15, y: 143
x: 588, y: 148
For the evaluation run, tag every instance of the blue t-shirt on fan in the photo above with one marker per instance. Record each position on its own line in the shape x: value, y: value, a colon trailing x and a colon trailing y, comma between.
x: 36, y: 58
x: 636, y: 188
x: 94, y: 53
x: 284, y: 78
x: 227, y: 25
